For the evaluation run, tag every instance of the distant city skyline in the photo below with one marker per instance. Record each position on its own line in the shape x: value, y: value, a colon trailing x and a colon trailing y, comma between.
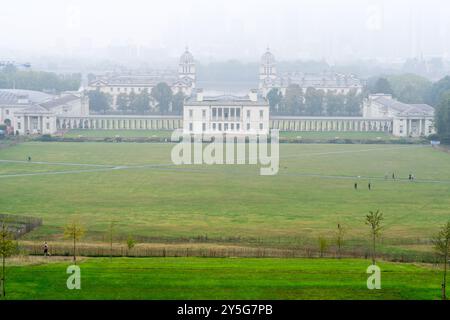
x: 222, y: 30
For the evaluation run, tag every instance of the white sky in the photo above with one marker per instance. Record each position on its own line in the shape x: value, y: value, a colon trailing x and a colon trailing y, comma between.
x: 331, y: 29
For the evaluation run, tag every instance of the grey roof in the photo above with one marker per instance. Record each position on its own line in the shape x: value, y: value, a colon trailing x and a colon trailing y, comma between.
x: 34, y: 109
x: 404, y: 109
x: 11, y: 96
x: 59, y: 101
x: 226, y: 99
x: 324, y: 80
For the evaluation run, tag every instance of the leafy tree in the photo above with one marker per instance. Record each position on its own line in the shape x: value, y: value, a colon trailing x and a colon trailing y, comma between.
x: 163, y: 95
x: 314, y: 102
x: 353, y: 103
x: 274, y: 96
x: 293, y: 101
x: 437, y: 90
x: 74, y: 231
x: 373, y: 220
x: 340, y: 238
x: 178, y: 103
x: 409, y: 88
x: 11, y: 77
x: 7, y: 248
x: 442, y: 117
x: 140, y: 104
x: 99, y: 101
x: 381, y: 85
x: 122, y: 102
x: 441, y: 244
x: 335, y: 104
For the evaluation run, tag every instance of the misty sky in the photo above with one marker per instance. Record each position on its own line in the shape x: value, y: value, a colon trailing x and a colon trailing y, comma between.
x: 216, y: 29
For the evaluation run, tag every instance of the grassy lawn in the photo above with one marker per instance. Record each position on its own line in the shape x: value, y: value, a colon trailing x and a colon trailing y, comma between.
x: 312, y: 192
x: 285, y: 134
x: 206, y: 278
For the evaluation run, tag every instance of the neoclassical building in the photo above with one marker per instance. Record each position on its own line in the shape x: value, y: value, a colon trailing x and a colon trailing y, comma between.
x: 408, y: 120
x: 31, y: 112
x: 327, y: 81
x: 245, y: 115
x: 116, y: 84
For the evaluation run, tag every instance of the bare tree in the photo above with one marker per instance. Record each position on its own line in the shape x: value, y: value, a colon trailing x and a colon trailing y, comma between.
x: 442, y: 247
x: 7, y: 248
x: 74, y: 231
x: 339, y: 238
x: 373, y: 220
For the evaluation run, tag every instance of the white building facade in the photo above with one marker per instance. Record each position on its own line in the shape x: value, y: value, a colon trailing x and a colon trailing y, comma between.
x: 337, y: 83
x: 32, y: 112
x: 125, y: 84
x: 240, y: 115
x: 408, y: 120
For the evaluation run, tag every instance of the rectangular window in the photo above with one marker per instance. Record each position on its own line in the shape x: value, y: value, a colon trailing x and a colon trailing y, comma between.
x: 261, y: 113
x: 225, y: 127
x: 18, y: 125
x: 214, y: 112
x: 237, y: 126
x: 248, y: 126
x: 220, y: 112
x: 232, y: 112
x: 238, y: 113
x: 48, y: 126
x: 232, y: 126
x: 220, y: 127
x: 191, y: 113
x: 261, y: 126
x: 204, y: 113
x: 248, y: 113
x: 226, y: 112
x: 191, y: 127
x: 7, y: 111
x: 204, y: 126
x: 214, y: 126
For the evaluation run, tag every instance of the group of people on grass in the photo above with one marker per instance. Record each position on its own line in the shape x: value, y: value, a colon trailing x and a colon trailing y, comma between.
x: 411, y: 177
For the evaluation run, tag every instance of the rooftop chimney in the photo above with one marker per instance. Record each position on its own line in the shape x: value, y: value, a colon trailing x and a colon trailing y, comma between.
x: 253, y: 95
x: 199, y: 95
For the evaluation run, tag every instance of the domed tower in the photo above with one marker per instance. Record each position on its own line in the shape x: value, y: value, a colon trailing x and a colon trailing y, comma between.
x: 267, y: 68
x: 186, y: 67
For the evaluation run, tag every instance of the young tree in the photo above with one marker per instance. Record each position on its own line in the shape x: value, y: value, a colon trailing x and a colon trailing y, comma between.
x: 323, y: 246
x: 122, y: 102
x: 340, y: 238
x: 373, y: 220
x: 382, y: 85
x: 131, y: 243
x: 7, y: 248
x: 442, y: 247
x: 111, y: 237
x: 99, y: 101
x: 74, y: 231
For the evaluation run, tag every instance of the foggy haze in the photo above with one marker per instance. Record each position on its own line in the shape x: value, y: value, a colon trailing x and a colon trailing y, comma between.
x: 233, y: 29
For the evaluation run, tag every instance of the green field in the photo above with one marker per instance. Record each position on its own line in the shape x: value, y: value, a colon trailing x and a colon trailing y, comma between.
x: 136, y: 185
x: 284, y: 134
x: 201, y: 278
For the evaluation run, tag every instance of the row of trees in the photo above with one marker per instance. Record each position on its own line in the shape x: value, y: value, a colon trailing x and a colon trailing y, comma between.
x: 12, y: 78
x: 160, y: 100
x: 313, y: 102
x: 74, y: 231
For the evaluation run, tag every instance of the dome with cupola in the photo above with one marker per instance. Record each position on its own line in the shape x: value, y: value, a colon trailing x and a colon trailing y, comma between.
x: 268, y: 58
x: 186, y: 57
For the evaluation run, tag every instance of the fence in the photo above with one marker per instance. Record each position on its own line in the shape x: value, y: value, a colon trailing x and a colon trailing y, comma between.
x: 20, y: 225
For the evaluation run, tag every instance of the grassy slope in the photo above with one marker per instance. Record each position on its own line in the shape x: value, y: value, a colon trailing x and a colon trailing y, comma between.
x: 200, y: 278
x: 230, y: 201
